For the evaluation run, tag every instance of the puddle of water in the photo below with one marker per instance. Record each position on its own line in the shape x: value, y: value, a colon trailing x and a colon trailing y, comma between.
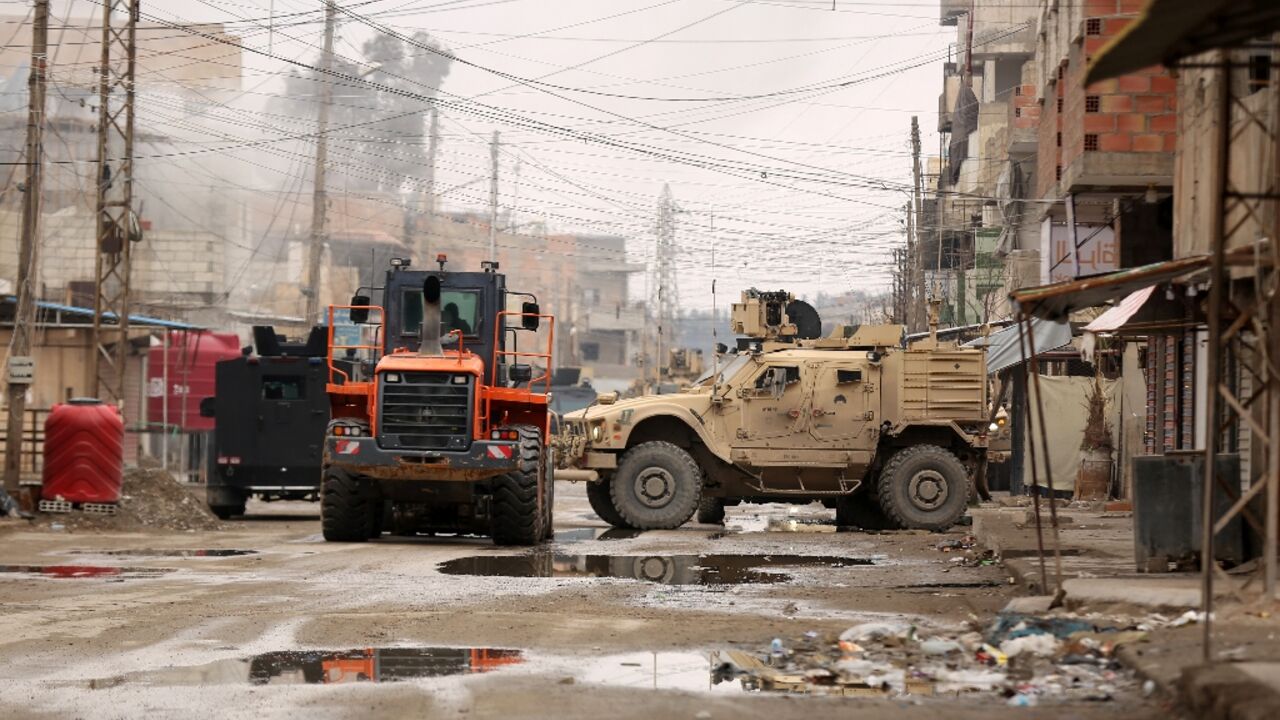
x: 329, y: 667
x: 80, y: 572
x: 215, y: 552
x: 663, y: 569
x: 691, y: 671
x: 584, y: 534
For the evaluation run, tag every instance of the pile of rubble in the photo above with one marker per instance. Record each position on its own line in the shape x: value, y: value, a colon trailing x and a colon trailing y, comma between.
x: 151, y: 499
x: 1024, y: 659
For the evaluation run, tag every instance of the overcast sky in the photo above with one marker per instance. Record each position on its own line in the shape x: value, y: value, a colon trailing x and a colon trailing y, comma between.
x: 771, y: 227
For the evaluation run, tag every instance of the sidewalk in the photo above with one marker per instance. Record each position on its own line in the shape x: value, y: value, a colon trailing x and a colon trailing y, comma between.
x: 1100, y: 577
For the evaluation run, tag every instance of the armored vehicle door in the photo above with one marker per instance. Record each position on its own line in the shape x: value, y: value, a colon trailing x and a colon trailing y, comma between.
x: 775, y: 406
x: 846, y: 404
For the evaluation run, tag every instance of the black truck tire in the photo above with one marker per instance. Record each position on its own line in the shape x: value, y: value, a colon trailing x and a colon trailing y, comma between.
x: 346, y: 508
x: 600, y: 496
x: 924, y: 487
x: 226, y: 512
x: 517, y: 519
x: 549, y: 500
x: 657, y: 486
x: 711, y: 510
x: 862, y: 511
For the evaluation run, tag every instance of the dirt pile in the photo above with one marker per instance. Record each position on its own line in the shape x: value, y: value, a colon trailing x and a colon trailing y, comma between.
x: 151, y: 500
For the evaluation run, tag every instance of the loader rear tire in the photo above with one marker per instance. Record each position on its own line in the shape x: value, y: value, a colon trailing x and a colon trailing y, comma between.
x: 346, y: 508
x: 601, y: 498
x: 657, y: 486
x: 517, y: 519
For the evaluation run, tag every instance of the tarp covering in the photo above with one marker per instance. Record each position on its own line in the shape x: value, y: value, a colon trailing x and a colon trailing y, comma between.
x: 1002, y: 346
x: 1169, y: 30
x: 1115, y: 318
x: 963, y: 122
x: 1066, y: 408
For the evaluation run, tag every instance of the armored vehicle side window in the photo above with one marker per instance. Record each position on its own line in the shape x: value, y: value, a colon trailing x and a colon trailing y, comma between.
x: 458, y: 311
x: 781, y: 375
x: 848, y: 376
x: 283, y: 387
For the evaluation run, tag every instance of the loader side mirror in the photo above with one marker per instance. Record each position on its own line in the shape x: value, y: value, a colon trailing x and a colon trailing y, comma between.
x: 359, y: 315
x: 530, y: 319
x: 207, y: 409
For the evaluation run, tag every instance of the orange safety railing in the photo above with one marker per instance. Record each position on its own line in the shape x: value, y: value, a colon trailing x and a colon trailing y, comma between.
x: 499, y: 327
x: 378, y: 349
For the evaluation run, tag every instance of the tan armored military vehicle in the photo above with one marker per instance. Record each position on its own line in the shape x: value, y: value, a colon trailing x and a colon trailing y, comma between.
x: 888, y: 435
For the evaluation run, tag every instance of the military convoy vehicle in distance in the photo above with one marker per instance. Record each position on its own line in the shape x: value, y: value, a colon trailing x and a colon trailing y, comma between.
x: 270, y: 411
x: 888, y: 435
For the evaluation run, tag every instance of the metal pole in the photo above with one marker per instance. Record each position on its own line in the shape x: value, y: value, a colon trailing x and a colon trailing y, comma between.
x: 28, y: 254
x: 915, y: 292
x: 319, y: 201
x: 164, y: 405
x: 1024, y: 330
x: 493, y: 197
x: 1048, y: 466
x: 433, y: 147
x: 1217, y: 293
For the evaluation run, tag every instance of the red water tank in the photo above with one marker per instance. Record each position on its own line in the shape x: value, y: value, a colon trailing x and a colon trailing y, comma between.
x: 83, y: 452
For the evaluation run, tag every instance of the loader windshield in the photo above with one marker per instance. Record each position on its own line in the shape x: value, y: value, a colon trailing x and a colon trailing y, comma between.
x: 459, y: 310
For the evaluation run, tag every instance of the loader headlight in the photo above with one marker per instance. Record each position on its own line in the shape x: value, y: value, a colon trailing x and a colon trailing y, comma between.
x: 597, y: 433
x: 993, y: 427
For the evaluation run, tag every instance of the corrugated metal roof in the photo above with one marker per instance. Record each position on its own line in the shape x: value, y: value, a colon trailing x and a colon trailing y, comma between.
x: 1115, y: 318
x: 141, y: 320
x: 1060, y: 299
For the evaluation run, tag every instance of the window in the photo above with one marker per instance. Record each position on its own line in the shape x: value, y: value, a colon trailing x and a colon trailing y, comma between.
x: 1017, y: 91
x: 848, y: 376
x: 1090, y: 142
x: 1092, y: 103
x: 1059, y: 104
x: 283, y: 387
x: 782, y: 375
x: 1017, y: 112
x: 459, y: 310
x: 1057, y: 173
x: 1093, y: 26
x: 590, y: 351
x: 1059, y: 139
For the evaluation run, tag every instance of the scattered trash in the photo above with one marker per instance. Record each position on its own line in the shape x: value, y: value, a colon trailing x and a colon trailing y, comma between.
x: 876, y: 631
x: 1043, y: 645
x: 939, y: 646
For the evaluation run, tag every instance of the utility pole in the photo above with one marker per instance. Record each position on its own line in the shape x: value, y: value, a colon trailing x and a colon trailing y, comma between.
x: 117, y: 225
x: 429, y: 204
x: 916, y: 289
x: 319, y: 200
x: 24, y: 321
x: 493, y: 197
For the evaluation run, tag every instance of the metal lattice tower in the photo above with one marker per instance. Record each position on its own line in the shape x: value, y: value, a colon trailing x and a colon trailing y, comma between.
x: 664, y: 292
x: 117, y: 226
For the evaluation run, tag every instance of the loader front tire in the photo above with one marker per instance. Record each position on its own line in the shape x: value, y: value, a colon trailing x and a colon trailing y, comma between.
x: 517, y: 518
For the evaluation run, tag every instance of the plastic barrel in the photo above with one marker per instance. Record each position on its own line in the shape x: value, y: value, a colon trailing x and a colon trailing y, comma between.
x: 83, y: 452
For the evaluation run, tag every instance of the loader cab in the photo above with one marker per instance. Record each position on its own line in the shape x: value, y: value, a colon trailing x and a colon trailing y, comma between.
x: 470, y: 303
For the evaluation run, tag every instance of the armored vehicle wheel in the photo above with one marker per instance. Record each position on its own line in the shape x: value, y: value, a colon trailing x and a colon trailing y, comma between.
x: 347, y: 510
x: 226, y: 512
x: 862, y: 511
x: 657, y: 486
x: 923, y: 488
x: 711, y: 510
x: 516, y: 517
x: 601, y: 498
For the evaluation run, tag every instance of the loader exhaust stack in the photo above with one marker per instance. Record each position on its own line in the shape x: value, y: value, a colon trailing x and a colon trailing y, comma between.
x: 430, y: 332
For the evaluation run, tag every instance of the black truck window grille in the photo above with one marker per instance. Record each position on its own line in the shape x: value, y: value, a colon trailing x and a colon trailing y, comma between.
x: 425, y: 411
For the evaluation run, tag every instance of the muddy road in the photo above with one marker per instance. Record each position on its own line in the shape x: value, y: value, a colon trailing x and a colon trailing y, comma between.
x: 262, y: 619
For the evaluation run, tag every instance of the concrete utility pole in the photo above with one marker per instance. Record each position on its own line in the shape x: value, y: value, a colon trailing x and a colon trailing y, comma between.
x: 319, y: 200
x: 916, y: 291
x: 24, y: 321
x: 117, y: 225
x: 493, y: 197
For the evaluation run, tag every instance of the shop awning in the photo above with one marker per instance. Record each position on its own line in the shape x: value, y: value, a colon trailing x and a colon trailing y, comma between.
x: 1115, y: 318
x: 1169, y: 30
x: 1061, y: 299
x: 1002, y: 346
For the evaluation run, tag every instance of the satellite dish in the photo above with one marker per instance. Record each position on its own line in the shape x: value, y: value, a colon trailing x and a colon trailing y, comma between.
x: 806, y: 319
